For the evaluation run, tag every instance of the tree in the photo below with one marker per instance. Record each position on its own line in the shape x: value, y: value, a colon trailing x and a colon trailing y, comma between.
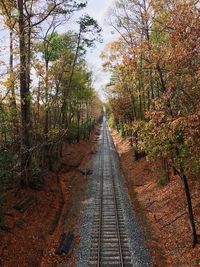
x: 158, y: 68
x: 89, y: 33
x: 28, y: 19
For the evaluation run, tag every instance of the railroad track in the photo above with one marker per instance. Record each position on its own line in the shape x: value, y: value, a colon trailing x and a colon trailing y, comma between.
x: 110, y: 247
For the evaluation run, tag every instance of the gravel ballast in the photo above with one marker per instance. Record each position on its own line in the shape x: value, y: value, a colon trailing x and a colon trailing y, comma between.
x: 139, y: 252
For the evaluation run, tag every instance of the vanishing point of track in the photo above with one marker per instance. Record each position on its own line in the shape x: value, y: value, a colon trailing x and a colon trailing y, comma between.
x: 110, y: 247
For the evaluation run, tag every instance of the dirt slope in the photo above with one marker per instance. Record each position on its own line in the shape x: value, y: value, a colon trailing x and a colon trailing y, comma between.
x: 35, y: 234
x: 160, y: 210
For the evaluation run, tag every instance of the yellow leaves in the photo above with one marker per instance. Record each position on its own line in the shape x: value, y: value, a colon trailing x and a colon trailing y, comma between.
x: 39, y: 68
x: 9, y: 82
x: 51, y: 6
x: 178, y: 124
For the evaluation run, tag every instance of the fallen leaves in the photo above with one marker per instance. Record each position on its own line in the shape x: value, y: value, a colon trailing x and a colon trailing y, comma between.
x: 164, y: 208
x: 29, y: 243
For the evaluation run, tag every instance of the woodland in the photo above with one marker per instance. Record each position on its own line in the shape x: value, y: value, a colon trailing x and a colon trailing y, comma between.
x: 46, y: 96
x: 154, y: 90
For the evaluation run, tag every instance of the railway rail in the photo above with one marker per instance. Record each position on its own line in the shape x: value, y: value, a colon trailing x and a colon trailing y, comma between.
x: 109, y: 246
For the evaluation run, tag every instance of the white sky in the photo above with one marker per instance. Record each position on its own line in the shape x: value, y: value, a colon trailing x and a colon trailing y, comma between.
x: 97, y: 9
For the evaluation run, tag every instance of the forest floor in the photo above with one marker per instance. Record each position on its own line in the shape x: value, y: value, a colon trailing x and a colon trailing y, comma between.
x: 161, y: 211
x: 35, y: 234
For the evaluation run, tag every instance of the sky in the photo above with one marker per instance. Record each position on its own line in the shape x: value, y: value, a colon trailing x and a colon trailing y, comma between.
x: 98, y: 9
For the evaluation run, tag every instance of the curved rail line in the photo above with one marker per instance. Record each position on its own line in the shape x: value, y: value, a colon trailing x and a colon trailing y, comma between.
x: 109, y: 246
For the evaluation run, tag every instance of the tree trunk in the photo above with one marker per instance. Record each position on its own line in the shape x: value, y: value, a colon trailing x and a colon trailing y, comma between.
x: 140, y: 100
x: 38, y: 101
x: 46, y: 123
x: 13, y: 98
x: 165, y: 167
x: 78, y: 126
x: 25, y: 102
x: 13, y: 104
x: 70, y: 79
x: 161, y: 78
x: 190, y: 210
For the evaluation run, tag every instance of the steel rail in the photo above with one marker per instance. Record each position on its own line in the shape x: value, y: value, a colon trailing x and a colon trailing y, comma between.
x: 100, y: 205
x: 109, y: 245
x: 115, y: 203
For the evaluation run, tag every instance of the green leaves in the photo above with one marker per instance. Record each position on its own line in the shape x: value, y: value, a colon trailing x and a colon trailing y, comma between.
x: 89, y: 30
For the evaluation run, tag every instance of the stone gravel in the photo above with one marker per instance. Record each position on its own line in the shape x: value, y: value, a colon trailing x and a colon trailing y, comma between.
x: 139, y: 252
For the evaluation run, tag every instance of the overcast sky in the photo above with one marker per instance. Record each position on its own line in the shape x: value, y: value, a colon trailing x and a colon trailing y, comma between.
x: 97, y: 9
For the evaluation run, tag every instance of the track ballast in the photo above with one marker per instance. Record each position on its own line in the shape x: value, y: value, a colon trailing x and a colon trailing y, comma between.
x: 110, y: 246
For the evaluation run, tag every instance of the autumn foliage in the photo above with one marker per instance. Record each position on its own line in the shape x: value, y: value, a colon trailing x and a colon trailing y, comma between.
x: 154, y: 90
x: 47, y: 97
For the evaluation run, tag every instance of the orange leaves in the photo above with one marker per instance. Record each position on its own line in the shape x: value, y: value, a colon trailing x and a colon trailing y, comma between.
x: 185, y: 34
x: 156, y: 87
